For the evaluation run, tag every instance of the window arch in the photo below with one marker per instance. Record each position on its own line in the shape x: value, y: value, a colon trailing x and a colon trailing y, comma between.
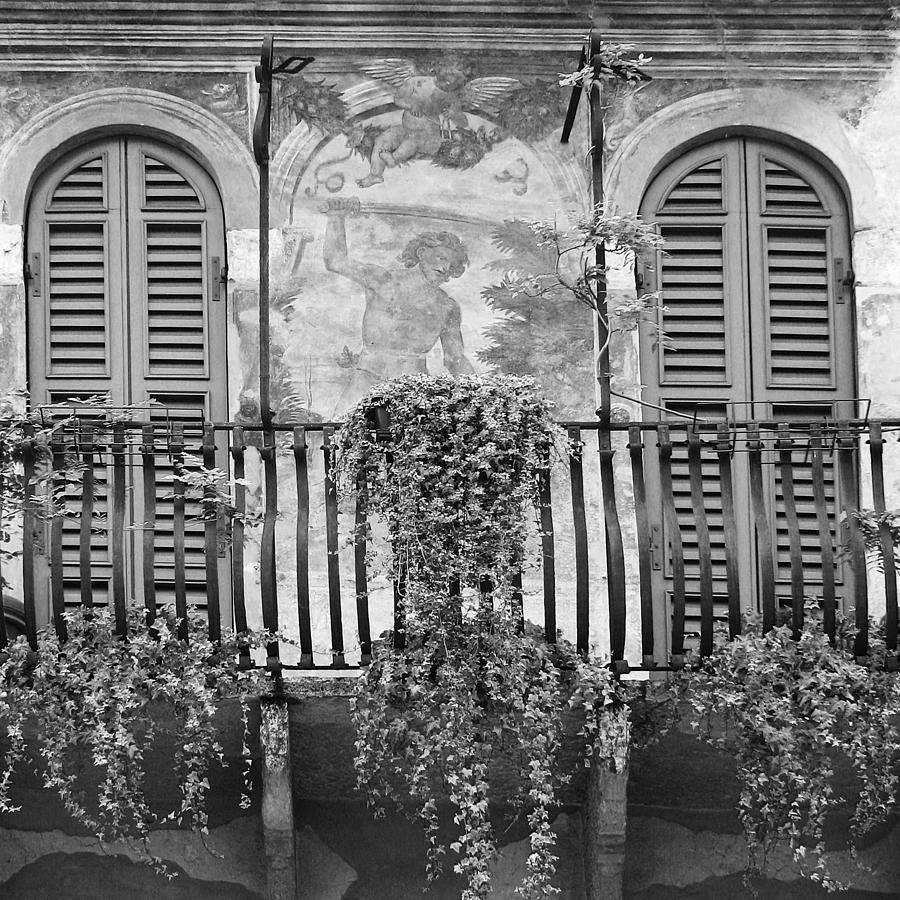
x: 757, y: 311
x: 126, y: 297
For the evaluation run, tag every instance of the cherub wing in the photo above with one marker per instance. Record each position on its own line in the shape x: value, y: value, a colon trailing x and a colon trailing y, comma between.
x: 488, y: 93
x: 394, y: 71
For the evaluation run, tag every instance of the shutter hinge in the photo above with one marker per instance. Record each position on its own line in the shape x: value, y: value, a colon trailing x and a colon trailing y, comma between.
x: 640, y: 275
x: 33, y: 274
x: 218, y: 277
x: 843, y: 281
x: 656, y: 557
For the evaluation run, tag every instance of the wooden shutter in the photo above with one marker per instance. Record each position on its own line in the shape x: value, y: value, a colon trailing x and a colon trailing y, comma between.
x: 126, y: 247
x: 802, y: 325
x: 757, y: 244
x: 696, y: 205
x: 75, y: 260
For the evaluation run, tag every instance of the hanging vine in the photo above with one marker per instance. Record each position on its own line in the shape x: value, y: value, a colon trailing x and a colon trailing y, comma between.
x: 86, y: 710
x: 783, y: 707
x: 453, y: 477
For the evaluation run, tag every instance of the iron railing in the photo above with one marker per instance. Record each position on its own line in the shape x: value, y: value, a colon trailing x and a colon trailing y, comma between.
x: 647, y: 535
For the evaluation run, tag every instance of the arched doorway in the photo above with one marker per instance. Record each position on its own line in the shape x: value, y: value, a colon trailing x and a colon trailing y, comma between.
x: 756, y: 288
x: 126, y: 299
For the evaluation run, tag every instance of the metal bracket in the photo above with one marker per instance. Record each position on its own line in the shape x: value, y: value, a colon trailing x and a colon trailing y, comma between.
x: 33, y: 274
x: 291, y: 65
x: 843, y: 281
x: 263, y: 74
x: 656, y: 548
x: 218, y: 277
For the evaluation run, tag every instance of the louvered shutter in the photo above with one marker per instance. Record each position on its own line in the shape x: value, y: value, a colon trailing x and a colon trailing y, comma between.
x: 126, y: 248
x: 798, y: 242
x: 801, y: 340
x: 701, y: 367
x: 757, y: 239
x: 697, y: 210
x: 178, y: 256
x: 75, y: 263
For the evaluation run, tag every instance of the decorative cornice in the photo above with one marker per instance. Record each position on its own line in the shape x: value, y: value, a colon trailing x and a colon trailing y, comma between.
x: 708, y: 52
x: 241, y: 40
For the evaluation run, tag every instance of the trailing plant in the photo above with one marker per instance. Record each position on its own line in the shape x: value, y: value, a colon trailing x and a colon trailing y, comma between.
x: 453, y: 477
x: 611, y: 61
x: 90, y: 708
x: 785, y: 708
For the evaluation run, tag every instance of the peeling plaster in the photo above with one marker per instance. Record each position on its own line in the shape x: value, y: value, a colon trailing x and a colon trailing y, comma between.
x: 231, y: 852
x: 665, y: 853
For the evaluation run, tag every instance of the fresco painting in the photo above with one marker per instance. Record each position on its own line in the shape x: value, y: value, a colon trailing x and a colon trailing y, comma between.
x: 409, y: 212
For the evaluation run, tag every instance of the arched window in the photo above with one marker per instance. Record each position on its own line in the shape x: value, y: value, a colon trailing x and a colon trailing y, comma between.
x: 126, y: 259
x: 758, y: 319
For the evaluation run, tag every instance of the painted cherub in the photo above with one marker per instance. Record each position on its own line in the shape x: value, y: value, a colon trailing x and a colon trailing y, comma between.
x: 433, y: 111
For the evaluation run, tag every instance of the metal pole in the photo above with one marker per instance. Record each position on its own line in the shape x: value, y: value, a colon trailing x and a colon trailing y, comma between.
x: 595, y: 119
x: 261, y: 129
x: 261, y: 152
x: 268, y: 584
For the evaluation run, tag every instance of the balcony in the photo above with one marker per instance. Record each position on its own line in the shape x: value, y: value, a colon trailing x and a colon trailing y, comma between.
x: 646, y: 538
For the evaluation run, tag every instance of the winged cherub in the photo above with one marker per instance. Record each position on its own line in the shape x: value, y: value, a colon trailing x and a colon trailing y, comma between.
x: 433, y: 110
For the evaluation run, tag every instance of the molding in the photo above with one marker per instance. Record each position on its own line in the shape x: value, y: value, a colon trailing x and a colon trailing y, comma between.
x: 708, y: 52
x: 198, y: 132
x: 211, y: 42
x: 775, y: 112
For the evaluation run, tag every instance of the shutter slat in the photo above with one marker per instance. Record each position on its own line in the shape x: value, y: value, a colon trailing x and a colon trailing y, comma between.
x: 81, y: 188
x: 787, y: 193
x: 78, y: 318
x: 176, y: 338
x: 164, y: 188
x: 699, y: 189
x: 691, y: 277
x: 799, y: 317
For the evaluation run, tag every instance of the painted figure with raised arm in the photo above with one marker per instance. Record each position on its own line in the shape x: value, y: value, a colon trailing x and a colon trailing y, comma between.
x: 407, y: 311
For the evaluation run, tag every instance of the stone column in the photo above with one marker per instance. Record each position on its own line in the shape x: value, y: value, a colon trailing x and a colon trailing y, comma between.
x: 604, y: 810
x: 277, y: 802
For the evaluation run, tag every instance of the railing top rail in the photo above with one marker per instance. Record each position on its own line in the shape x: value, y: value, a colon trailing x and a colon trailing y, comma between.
x: 735, y: 426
